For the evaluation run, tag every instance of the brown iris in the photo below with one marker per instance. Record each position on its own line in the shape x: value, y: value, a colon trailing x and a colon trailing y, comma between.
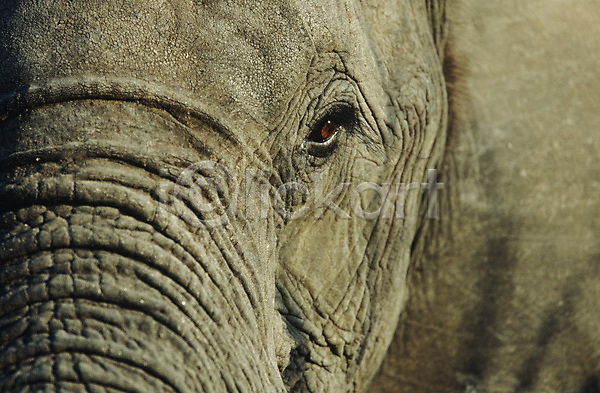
x: 338, y: 118
x: 328, y: 130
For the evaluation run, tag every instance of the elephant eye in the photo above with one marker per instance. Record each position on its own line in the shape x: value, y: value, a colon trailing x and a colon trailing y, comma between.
x: 324, y: 134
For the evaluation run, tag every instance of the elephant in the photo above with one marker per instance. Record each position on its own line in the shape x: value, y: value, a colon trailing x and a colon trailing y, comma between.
x: 156, y: 163
x: 236, y: 196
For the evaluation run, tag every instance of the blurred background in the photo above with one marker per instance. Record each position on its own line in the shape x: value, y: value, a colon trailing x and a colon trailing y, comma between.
x: 510, y: 301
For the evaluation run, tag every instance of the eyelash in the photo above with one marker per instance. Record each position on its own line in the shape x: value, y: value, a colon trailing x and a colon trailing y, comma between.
x: 340, y: 117
x: 343, y: 115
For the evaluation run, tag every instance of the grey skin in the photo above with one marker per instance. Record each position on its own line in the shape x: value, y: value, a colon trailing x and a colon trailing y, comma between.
x: 111, y: 278
x: 110, y: 282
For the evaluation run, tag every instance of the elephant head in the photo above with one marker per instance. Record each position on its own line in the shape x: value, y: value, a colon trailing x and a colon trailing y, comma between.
x: 188, y: 189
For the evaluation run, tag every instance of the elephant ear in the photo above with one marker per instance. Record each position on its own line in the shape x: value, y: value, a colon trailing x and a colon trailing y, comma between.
x: 509, y: 300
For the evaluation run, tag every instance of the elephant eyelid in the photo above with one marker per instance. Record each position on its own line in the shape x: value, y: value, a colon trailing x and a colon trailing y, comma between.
x: 337, y: 118
x: 344, y: 115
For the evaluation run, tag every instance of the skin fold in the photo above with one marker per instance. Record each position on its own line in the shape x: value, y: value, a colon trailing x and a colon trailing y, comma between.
x: 237, y: 196
x: 127, y: 133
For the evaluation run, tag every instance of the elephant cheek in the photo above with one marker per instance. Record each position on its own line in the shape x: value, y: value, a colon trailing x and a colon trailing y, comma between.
x: 103, y: 288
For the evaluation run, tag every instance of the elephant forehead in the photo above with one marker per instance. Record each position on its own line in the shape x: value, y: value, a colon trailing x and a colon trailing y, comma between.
x: 239, y: 55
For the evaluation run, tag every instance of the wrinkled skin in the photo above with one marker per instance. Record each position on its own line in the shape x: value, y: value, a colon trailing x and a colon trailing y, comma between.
x: 111, y: 277
x: 106, y: 286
